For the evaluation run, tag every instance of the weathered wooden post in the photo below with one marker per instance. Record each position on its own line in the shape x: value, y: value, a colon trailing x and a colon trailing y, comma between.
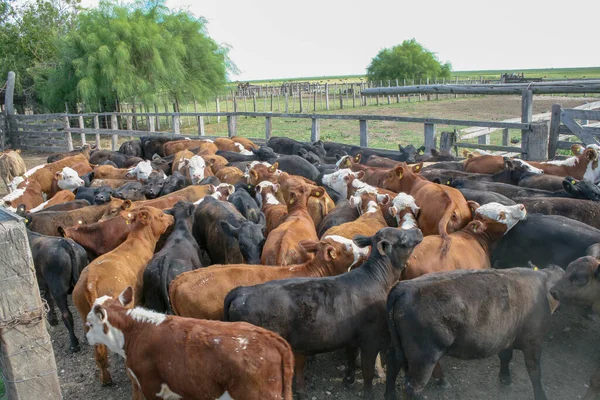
x: 82, y: 126
x: 353, y: 96
x: 364, y: 132
x: 176, y: 124
x: 483, y: 139
x: 231, y: 125
x: 554, y: 131
x: 447, y: 140
x: 254, y: 102
x: 526, y: 114
x: 268, y: 126
x: 97, y: 127
x: 315, y: 132
x: 201, y: 131
x: 157, y: 117
x: 341, y: 100
x: 129, y: 124
x: 430, y: 138
x: 505, y: 136
x: 300, y: 99
x: 315, y: 100
x: 537, y: 143
x: 287, y: 102
x: 327, y: 96
x: 114, y: 125
x: 28, y: 363
x: 68, y: 133
x: 218, y: 110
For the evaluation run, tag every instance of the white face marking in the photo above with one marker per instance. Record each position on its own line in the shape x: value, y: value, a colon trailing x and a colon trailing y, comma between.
x: 142, y: 171
x: 512, y: 214
x: 140, y: 314
x: 349, y: 244
x: 337, y: 181
x: 404, y: 201
x: 197, y: 166
x: 528, y: 167
x: 167, y: 393
x: 408, y: 222
x: 591, y: 174
x: 69, y: 179
x: 372, y: 207
x: 114, y: 339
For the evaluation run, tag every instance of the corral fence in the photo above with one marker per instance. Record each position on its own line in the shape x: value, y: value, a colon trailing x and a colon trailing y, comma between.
x: 54, y: 132
x: 564, y: 125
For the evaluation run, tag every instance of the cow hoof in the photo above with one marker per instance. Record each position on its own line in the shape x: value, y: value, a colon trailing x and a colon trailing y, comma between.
x: 349, y: 380
x: 505, y: 379
x: 75, y: 349
x: 444, y: 384
x: 301, y: 395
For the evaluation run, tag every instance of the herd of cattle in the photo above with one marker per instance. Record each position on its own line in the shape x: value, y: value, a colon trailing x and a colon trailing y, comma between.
x: 247, y: 259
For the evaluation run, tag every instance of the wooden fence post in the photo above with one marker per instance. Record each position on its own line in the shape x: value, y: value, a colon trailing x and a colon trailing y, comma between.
x: 254, y: 101
x: 268, y: 126
x: 176, y: 124
x: 68, y: 134
x: 82, y: 126
x: 97, y: 127
x: 201, y: 131
x: 287, y: 102
x: 526, y: 115
x: 114, y: 125
x: 26, y: 353
x: 300, y: 98
x: 554, y: 129
x: 537, y: 143
x: 353, y: 96
x: 129, y: 124
x: 430, y: 138
x: 483, y: 139
x: 231, y: 125
x: 327, y: 96
x: 505, y: 136
x: 218, y: 110
x: 157, y: 117
x: 447, y: 140
x: 271, y: 102
x: 9, y: 95
x: 150, y: 121
x: 315, y: 132
x: 315, y: 101
x: 341, y: 100
x: 364, y: 133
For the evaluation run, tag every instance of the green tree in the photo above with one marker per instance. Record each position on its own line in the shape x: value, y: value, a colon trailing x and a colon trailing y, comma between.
x: 139, y: 52
x: 410, y: 60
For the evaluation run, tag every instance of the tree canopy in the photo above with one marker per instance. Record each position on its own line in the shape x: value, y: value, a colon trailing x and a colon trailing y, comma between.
x: 410, y: 60
x: 139, y: 52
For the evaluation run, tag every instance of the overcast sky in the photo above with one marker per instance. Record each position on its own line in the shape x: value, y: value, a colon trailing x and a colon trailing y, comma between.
x: 287, y: 39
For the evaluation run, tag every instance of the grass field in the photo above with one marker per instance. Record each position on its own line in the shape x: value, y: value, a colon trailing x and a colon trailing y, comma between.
x: 549, y: 73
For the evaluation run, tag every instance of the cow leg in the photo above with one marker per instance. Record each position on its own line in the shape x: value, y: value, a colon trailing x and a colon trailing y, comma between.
x: 300, y: 361
x: 438, y: 373
x: 367, y: 363
x: 6, y: 184
x: 136, y: 390
x: 351, y: 353
x: 594, y: 389
x: 52, y: 319
x: 101, y: 354
x: 505, y: 357
x: 532, y: 355
x: 418, y: 376
x: 67, y: 317
x: 395, y: 361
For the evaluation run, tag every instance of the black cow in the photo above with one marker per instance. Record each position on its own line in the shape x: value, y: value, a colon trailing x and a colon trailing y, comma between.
x: 226, y: 235
x: 245, y: 203
x: 132, y: 148
x: 96, y: 195
x: 210, y: 180
x: 317, y: 315
x: 155, y: 183
x: 161, y: 164
x: 180, y: 253
x: 133, y: 191
x: 551, y: 183
x: 450, y: 165
x: 283, y: 145
x: 173, y: 183
x: 263, y: 153
x: 342, y: 213
x: 543, y: 240
x: 507, y: 190
x: 581, y: 189
x: 483, y: 197
x: 99, y: 156
x: 469, y: 315
x: 58, y: 263
x: 585, y: 211
x: 296, y: 165
x: 69, y: 205
x: 152, y: 145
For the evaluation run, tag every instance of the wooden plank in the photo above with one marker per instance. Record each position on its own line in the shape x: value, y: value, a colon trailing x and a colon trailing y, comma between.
x: 537, y: 143
x: 430, y: 139
x: 554, y: 131
x: 129, y: 124
x: 583, y: 114
x: 364, y: 133
x: 315, y: 132
x: 41, y: 117
x: 176, y: 123
x: 97, y: 127
x: 114, y: 125
x: 490, y: 147
x: 575, y: 86
x: 327, y: 96
x: 45, y: 149
x: 55, y: 134
x: 583, y: 134
x: 68, y: 134
x: 231, y: 125
x: 25, y: 141
x: 505, y: 137
x: 82, y: 125
x: 483, y: 139
x: 26, y: 126
x: 565, y: 145
x: 201, y: 131
x: 526, y: 115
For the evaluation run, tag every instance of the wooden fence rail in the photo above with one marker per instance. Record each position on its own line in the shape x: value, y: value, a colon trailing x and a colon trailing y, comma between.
x: 564, y: 124
x: 26, y: 125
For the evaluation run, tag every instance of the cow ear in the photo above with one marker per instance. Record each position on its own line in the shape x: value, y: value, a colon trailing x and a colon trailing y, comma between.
x: 254, y: 174
x: 229, y: 229
x: 100, y: 313
x: 276, y: 188
x: 360, y: 175
x: 357, y: 158
x: 191, y: 209
x: 508, y: 164
x: 362, y: 240
x: 143, y: 216
x: 383, y: 199
x: 310, y: 246
x: 302, y: 152
x: 590, y: 154
x: 126, y: 204
x: 384, y: 247
x: 417, y: 168
x: 393, y: 211
x: 329, y: 253
x: 293, y: 198
x: 126, y: 296
x: 399, y: 171
x: 473, y: 206
x: 230, y: 189
x: 258, y: 189
x: 180, y: 184
x: 211, y: 188
x: 593, y: 250
x: 317, y: 192
x: 58, y: 175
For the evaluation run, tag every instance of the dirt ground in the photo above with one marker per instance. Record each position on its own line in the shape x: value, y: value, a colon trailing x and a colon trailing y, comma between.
x: 570, y: 354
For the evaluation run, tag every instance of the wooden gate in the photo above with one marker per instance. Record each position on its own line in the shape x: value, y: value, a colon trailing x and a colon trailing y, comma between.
x: 566, y: 123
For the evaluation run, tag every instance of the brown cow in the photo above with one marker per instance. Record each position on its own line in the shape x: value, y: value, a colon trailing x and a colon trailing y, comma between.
x: 190, y: 193
x: 230, y: 175
x: 372, y: 175
x: 470, y: 247
x: 111, y: 273
x: 485, y: 164
x: 225, y: 144
x: 381, y: 162
x: 179, y: 161
x: 247, y: 143
x: 215, y: 162
x: 262, y: 171
x: 83, y: 150
x: 45, y: 175
x: 275, y: 211
x: 62, y: 196
x: 318, y: 206
x: 200, y: 293
x: 442, y: 211
x: 200, y: 359
x: 113, y: 183
x: 11, y: 166
x: 110, y: 172
x: 582, y: 166
x: 203, y: 146
x: 47, y: 222
x: 30, y: 195
x: 281, y: 246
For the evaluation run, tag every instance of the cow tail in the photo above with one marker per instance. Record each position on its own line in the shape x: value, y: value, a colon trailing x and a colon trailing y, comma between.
x: 172, y: 297
x: 396, y: 342
x: 164, y: 283
x: 287, y: 367
x: 76, y: 262
x: 443, y: 230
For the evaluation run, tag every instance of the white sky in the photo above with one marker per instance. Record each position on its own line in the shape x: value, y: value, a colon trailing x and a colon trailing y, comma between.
x: 273, y: 39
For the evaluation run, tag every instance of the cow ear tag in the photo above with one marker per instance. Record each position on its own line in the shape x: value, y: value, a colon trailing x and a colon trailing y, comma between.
x: 535, y: 268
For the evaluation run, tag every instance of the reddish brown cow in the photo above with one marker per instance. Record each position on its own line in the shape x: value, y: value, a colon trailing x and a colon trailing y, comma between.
x: 200, y: 359
x: 99, y: 238
x: 259, y: 172
x: 372, y: 175
x: 281, y: 246
x: 45, y: 175
x: 47, y: 222
x: 225, y: 144
x: 381, y: 162
x: 231, y: 175
x: 111, y: 273
x: 580, y: 166
x: 247, y: 143
x: 274, y: 210
x: 113, y: 183
x: 29, y: 195
x: 179, y: 161
x: 110, y: 172
x: 318, y: 206
x: 62, y: 196
x: 215, y: 162
x: 204, y: 146
x: 442, y: 211
x: 486, y: 164
x: 200, y: 293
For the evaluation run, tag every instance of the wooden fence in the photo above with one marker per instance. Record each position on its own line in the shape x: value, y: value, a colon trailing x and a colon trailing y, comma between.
x: 564, y: 125
x: 25, y: 129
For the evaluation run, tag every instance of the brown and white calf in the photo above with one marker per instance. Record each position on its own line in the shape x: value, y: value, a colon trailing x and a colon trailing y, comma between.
x: 275, y: 211
x: 172, y: 357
